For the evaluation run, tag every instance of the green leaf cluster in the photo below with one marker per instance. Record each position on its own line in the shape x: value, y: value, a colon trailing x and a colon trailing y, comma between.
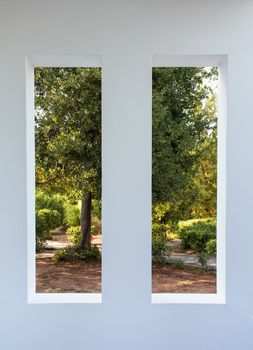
x: 68, y: 130
x: 183, y: 124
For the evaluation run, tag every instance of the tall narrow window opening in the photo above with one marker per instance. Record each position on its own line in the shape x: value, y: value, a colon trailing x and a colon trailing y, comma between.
x: 184, y: 181
x: 67, y: 231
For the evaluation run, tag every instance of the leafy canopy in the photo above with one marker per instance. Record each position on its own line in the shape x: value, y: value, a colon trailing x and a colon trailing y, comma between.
x: 68, y: 130
x: 181, y: 126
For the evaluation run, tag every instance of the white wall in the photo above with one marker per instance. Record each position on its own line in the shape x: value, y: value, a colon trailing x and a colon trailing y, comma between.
x: 126, y: 34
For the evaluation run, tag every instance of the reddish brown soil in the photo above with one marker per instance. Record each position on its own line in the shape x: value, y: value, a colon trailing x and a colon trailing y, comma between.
x: 66, y: 277
x: 53, y: 277
x: 169, y: 280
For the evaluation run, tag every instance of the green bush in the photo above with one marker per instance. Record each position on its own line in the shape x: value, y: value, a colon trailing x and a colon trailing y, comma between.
x: 211, y: 247
x: 160, y: 248
x: 203, y: 259
x: 92, y: 253
x: 72, y: 215
x: 195, y: 234
x: 42, y: 200
x: 65, y: 254
x: 72, y: 253
x: 159, y: 230
x: 74, y: 232
x: 46, y: 220
x: 74, y: 235
x: 54, y: 202
x: 159, y: 210
x: 177, y: 264
x: 40, y: 244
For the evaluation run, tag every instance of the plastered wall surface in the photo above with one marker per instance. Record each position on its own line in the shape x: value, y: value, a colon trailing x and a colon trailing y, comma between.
x: 126, y: 34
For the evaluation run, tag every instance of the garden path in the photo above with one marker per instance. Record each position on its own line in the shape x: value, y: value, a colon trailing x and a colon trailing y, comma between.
x: 60, y: 240
x: 188, y: 258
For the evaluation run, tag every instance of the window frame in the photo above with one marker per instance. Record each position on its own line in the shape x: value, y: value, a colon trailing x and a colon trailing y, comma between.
x: 31, y: 62
x: 221, y: 61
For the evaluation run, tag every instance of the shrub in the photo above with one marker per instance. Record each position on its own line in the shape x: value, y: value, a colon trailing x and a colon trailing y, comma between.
x: 72, y: 253
x: 74, y: 232
x: 72, y: 215
x: 203, y: 259
x: 54, y: 202
x: 159, y: 210
x: 159, y: 251
x: 160, y: 248
x: 159, y: 230
x: 92, y: 253
x: 65, y: 254
x: 74, y: 235
x: 40, y: 244
x: 177, y: 264
x: 41, y: 200
x: 46, y: 219
x: 195, y: 234
x: 211, y: 247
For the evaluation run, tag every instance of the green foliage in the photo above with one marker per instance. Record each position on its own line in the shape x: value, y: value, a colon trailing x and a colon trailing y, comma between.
x: 72, y: 253
x: 46, y: 220
x: 74, y: 232
x: 177, y: 264
x: 64, y: 254
x: 159, y: 211
x: 72, y: 215
x: 211, y: 247
x: 40, y: 244
x: 96, y: 208
x: 92, y: 253
x: 160, y: 248
x: 68, y: 136
x: 200, y: 236
x: 182, y: 125
x: 69, y: 212
x: 159, y: 230
x: 205, y: 177
x: 68, y: 130
x: 51, y: 201
x: 195, y: 234
x: 74, y: 235
x: 160, y: 251
x: 203, y: 259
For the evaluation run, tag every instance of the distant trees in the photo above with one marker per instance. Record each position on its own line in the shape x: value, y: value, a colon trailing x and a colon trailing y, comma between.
x: 184, y: 143
x: 205, y: 170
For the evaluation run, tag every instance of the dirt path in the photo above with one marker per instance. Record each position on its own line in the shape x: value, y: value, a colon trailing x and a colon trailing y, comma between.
x: 189, y: 258
x: 169, y: 280
x: 64, y: 277
x: 85, y: 277
x: 60, y: 240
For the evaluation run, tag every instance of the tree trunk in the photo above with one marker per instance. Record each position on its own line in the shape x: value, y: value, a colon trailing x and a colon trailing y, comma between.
x: 86, y: 221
